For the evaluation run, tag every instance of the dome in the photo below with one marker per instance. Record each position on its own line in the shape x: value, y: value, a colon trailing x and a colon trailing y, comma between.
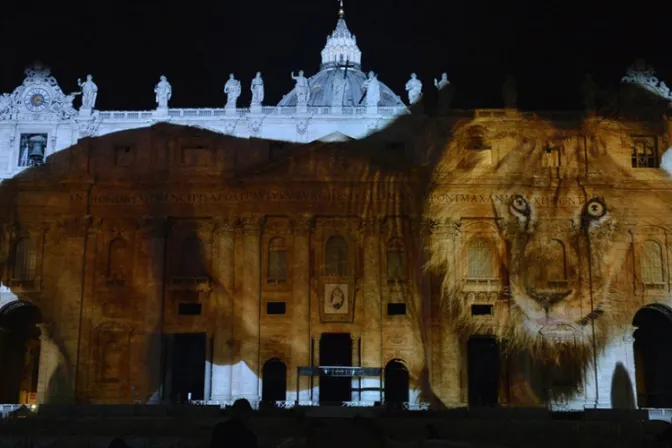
x: 341, y: 58
x: 321, y: 89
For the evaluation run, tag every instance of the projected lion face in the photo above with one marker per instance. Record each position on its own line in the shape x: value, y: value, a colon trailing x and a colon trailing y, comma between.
x: 528, y: 233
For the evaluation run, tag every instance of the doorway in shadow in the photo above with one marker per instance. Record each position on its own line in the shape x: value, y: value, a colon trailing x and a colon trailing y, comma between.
x: 483, y: 371
x: 185, y: 366
x: 335, y: 350
x: 653, y: 356
x: 396, y: 384
x: 274, y: 381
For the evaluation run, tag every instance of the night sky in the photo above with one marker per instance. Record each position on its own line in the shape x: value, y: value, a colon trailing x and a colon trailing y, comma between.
x: 127, y: 44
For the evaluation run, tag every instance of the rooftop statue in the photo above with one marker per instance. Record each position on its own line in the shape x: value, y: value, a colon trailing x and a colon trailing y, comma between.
x: 302, y: 89
x: 257, y: 89
x: 232, y: 89
x: 163, y: 91
x: 89, y: 92
x: 446, y: 92
x: 371, y: 90
x: 414, y: 89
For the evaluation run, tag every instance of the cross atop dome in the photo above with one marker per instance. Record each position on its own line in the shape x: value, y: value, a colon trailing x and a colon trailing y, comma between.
x: 341, y: 45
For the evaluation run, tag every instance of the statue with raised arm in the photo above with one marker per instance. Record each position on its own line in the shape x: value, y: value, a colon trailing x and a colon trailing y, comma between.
x: 302, y: 89
x: 446, y: 92
x: 414, y: 89
x: 257, y: 88
x: 371, y: 90
x: 440, y: 84
x: 89, y: 92
x: 163, y: 91
x: 232, y: 89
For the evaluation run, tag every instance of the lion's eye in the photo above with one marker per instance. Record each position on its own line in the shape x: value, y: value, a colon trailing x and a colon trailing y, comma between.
x: 595, y: 209
x: 520, y: 205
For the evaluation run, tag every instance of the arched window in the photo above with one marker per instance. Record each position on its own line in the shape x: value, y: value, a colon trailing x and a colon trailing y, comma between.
x: 336, y: 257
x: 277, y: 261
x: 475, y: 139
x: 652, y: 263
x: 274, y: 381
x: 191, y: 258
x: 556, y: 269
x: 480, y: 258
x: 117, y: 260
x: 396, y: 266
x: 25, y: 260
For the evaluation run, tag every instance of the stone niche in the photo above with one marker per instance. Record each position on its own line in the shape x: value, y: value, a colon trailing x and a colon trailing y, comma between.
x: 111, y: 370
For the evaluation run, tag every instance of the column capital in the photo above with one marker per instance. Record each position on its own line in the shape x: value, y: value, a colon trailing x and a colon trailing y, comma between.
x: 224, y: 225
x: 252, y: 224
x: 153, y: 226
x: 75, y: 226
x: 303, y: 224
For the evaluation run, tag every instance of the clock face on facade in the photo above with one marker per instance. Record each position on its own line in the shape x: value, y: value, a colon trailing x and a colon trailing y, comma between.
x: 36, y: 99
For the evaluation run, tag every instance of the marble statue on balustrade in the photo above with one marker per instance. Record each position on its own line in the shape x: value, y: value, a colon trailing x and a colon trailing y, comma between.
x: 89, y: 92
x: 302, y: 89
x: 232, y: 89
x: 257, y: 89
x: 163, y: 91
x: 338, y: 86
x: 6, y: 106
x: 446, y: 91
x: 510, y: 93
x: 67, y: 106
x: 414, y: 89
x: 371, y: 90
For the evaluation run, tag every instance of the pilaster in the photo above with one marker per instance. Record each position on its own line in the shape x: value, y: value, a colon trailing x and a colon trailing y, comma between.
x: 370, y: 294
x: 301, y: 343
x: 248, y: 369
x: 150, y: 270
x: 222, y: 356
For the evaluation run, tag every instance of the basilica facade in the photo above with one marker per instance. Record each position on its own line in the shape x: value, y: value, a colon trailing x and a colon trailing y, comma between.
x: 332, y: 253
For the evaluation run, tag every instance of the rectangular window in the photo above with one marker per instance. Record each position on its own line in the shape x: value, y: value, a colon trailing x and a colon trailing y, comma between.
x: 482, y: 310
x: 644, y: 152
x: 396, y: 309
x: 189, y: 309
x: 276, y: 308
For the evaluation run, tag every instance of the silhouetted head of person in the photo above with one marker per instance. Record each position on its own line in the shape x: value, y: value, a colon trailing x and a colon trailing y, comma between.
x: 117, y: 443
x: 241, y: 410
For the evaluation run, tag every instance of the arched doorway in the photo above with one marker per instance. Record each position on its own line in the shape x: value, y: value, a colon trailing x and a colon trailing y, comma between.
x: 396, y: 384
x: 653, y: 356
x: 19, y: 352
x: 274, y: 381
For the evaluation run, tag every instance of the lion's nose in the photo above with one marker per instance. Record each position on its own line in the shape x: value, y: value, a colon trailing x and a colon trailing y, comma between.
x: 547, y: 299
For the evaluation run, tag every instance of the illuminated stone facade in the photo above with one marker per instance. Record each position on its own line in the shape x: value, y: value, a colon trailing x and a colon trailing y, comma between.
x: 480, y: 257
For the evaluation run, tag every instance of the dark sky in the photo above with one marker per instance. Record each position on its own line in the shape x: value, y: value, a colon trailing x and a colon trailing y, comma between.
x: 127, y: 44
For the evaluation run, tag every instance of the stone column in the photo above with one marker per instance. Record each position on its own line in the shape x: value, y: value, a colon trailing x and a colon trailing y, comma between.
x: 152, y: 236
x: 223, y: 268
x: 247, y: 336
x: 370, y: 294
x: 357, y: 382
x: 301, y: 342
x: 451, y: 360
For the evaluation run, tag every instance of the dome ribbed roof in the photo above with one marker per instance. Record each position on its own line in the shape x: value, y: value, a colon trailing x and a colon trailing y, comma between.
x: 321, y: 85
